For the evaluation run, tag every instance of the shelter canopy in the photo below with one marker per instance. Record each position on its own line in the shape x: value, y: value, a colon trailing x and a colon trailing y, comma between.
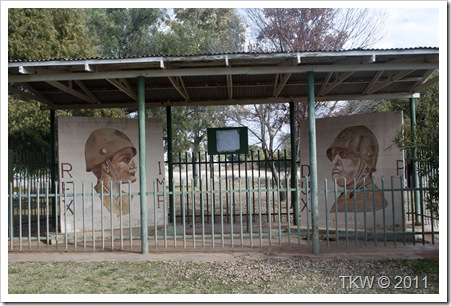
x: 223, y: 79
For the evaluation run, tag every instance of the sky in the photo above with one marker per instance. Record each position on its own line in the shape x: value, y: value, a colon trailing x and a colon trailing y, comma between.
x: 408, y: 28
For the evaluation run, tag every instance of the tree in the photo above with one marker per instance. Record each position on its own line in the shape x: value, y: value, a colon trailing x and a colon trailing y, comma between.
x: 425, y: 139
x: 126, y: 32
x: 301, y: 29
x: 209, y: 30
x: 35, y: 34
x: 304, y: 29
x: 47, y: 33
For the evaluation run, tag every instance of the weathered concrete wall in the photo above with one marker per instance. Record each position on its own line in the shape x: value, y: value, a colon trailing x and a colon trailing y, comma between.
x: 348, y: 132
x: 73, y: 133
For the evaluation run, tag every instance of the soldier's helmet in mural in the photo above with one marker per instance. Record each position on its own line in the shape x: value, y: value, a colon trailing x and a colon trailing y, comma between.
x: 102, y: 144
x: 358, y: 140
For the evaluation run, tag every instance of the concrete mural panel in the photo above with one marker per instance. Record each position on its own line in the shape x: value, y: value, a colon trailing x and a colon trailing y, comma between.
x: 99, y: 157
x: 360, y: 147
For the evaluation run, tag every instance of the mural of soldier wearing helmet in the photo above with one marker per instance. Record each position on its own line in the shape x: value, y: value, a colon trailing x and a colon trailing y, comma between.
x: 109, y: 156
x: 353, y: 154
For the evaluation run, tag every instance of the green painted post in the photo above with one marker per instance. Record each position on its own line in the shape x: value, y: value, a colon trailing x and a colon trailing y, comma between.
x: 142, y: 164
x: 313, y: 163
x: 294, y: 172
x: 170, y: 164
x: 53, y: 166
x: 413, y: 128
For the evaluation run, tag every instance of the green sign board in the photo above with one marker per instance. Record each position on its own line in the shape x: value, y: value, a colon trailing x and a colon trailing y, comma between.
x: 230, y: 140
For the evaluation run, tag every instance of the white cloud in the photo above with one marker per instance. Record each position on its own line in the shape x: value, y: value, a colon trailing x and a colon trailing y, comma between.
x: 408, y: 28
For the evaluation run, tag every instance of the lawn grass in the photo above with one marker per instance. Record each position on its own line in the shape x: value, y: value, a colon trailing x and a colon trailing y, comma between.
x: 298, y: 275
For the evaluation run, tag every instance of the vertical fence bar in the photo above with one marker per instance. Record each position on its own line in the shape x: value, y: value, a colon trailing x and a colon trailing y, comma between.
x: 74, y: 216
x: 212, y: 201
x: 38, y: 198
x: 288, y: 198
x: 202, y: 215
x: 29, y: 213
x: 11, y: 217
x: 249, y: 211
x: 403, y: 212
x: 111, y: 215
x: 57, y: 211
x: 307, y: 202
x: 173, y: 218
x: 193, y: 212
x: 47, y: 212
x: 130, y: 225
x: 241, y: 211
x: 268, y: 210
x: 65, y: 216
x: 92, y: 220
x: 259, y: 199
x: 356, y: 235
x: 365, y: 234
x: 383, y: 210
x: 374, y: 212
x: 182, y: 201
x: 232, y: 209
x: 102, y: 225
x: 279, y: 215
x: 221, y: 211
x: 336, y: 212
x: 421, y: 209
x: 121, y: 237
x: 165, y: 215
x: 393, y: 209
x: 155, y: 215
x: 83, y: 198
x: 20, y: 215
x: 327, y: 211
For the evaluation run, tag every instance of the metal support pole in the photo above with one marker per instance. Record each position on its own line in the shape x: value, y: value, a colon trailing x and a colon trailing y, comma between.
x: 413, y: 128
x: 53, y: 166
x: 170, y: 164
x: 142, y: 164
x: 294, y: 172
x: 313, y: 163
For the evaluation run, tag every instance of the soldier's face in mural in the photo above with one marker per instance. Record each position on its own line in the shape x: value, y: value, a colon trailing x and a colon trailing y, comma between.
x: 109, y: 156
x: 353, y: 154
x: 346, y: 165
x: 122, y: 166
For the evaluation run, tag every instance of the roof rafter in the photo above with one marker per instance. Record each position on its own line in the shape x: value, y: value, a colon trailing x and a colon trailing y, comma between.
x: 279, y: 85
x: 179, y: 85
x: 70, y: 90
x: 125, y: 87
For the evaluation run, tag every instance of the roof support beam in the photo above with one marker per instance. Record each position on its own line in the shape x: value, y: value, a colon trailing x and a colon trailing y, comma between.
x: 179, y: 85
x: 425, y: 85
x: 340, y: 79
x: 70, y: 90
x: 125, y: 87
x: 373, y: 81
x: 229, y: 86
x: 279, y: 86
x: 64, y: 76
x: 87, y: 91
x: 31, y: 94
x: 389, y: 81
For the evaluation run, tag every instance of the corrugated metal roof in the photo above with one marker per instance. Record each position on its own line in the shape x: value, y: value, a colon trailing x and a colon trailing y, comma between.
x: 231, y: 78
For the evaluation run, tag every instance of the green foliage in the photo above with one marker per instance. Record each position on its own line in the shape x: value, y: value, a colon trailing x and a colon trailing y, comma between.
x: 28, y: 126
x: 126, y: 32
x: 47, y: 33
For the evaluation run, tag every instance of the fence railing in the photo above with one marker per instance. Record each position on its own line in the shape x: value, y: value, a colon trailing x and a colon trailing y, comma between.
x: 232, y: 212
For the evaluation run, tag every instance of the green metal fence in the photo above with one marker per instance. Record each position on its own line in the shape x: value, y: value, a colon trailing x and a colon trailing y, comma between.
x: 238, y: 214
x: 240, y: 201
